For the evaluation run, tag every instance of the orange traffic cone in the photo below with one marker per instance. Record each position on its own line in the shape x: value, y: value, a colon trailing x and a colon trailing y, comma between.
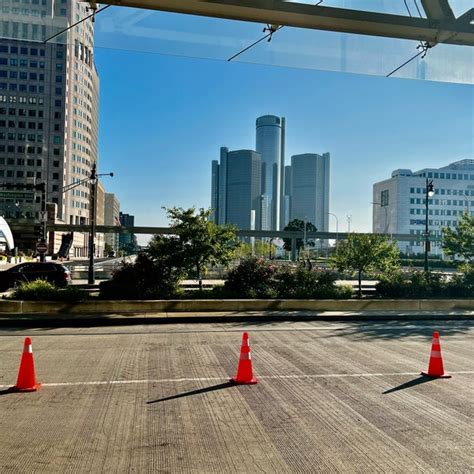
x: 435, y: 368
x: 26, y: 381
x: 244, y: 369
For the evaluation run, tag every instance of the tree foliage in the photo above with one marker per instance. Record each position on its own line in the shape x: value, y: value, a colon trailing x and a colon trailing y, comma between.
x: 158, y: 270
x: 146, y: 278
x: 197, y: 244
x: 361, y: 253
x: 262, y: 248
x: 298, y: 225
x: 460, y: 241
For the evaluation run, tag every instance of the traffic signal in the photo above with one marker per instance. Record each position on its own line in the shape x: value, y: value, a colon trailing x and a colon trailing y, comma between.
x: 39, y: 230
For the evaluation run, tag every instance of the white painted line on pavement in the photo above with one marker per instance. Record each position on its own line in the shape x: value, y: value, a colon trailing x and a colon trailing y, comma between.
x: 214, y: 379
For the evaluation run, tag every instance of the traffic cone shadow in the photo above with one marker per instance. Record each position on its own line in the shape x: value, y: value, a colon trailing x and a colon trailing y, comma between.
x: 244, y: 374
x: 26, y: 381
x: 435, y: 366
x: 411, y: 383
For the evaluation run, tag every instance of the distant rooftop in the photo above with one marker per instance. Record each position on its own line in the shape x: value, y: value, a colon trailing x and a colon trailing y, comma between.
x: 466, y: 165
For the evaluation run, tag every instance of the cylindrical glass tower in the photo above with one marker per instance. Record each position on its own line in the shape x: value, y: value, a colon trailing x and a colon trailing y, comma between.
x: 269, y: 143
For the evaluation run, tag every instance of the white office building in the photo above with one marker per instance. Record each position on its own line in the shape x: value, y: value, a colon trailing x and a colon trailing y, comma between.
x: 399, y: 203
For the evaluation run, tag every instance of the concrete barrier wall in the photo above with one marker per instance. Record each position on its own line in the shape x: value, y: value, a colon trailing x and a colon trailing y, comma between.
x: 7, y: 306
x: 171, y: 306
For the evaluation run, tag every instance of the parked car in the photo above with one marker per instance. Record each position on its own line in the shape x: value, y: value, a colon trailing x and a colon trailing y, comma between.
x: 55, y: 273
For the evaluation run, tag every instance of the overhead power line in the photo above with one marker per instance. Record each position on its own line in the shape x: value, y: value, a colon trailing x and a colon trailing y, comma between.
x: 424, y: 47
x: 418, y: 9
x: 92, y: 15
x: 271, y: 29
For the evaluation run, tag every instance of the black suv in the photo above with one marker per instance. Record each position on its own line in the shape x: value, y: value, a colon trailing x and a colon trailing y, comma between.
x: 55, y: 273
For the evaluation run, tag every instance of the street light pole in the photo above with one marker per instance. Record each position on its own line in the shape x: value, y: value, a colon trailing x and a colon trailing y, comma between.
x: 429, y: 192
x: 92, y: 209
x: 93, y: 179
x: 337, y: 226
x: 304, y: 237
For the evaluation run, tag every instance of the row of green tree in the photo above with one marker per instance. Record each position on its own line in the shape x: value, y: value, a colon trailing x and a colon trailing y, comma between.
x: 199, y: 244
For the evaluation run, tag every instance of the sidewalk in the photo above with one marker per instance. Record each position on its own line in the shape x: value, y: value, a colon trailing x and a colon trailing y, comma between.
x: 241, y: 316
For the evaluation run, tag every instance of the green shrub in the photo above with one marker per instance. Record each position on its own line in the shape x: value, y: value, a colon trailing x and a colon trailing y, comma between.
x: 36, y: 290
x: 252, y: 278
x: 314, y: 284
x: 343, y: 292
x: 462, y: 284
x: 72, y: 294
x: 426, y: 285
x: 146, y: 278
x: 256, y: 278
x: 42, y: 290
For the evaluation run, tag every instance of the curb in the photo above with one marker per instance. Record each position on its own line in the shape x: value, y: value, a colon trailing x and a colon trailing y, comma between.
x: 196, y: 306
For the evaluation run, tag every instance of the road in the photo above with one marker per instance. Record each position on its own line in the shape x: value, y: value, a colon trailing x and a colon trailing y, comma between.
x: 332, y: 397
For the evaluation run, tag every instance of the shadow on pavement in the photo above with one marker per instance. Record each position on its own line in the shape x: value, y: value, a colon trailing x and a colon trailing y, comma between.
x: 7, y: 391
x: 400, y: 329
x: 212, y: 388
x: 353, y: 328
x: 384, y: 330
x: 412, y: 383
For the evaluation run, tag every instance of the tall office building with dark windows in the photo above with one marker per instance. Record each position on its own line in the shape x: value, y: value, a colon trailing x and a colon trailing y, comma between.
x: 399, y: 205
x: 49, y: 95
x: 236, y: 193
x: 309, y: 189
x: 299, y: 191
x: 270, y: 143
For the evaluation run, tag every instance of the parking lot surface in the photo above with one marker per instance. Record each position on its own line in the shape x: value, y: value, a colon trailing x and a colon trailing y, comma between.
x: 331, y: 397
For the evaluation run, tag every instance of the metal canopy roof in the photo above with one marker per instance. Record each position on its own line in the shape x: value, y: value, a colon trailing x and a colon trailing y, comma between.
x: 440, y: 27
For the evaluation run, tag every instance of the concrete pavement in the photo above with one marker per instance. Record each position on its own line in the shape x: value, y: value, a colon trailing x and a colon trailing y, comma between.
x: 332, y: 397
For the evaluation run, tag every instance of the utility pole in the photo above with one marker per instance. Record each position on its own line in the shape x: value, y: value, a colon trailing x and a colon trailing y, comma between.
x: 304, y: 237
x: 92, y: 206
x: 429, y: 192
x: 42, y: 187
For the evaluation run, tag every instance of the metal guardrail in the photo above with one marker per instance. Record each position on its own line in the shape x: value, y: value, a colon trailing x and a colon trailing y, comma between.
x: 110, y: 229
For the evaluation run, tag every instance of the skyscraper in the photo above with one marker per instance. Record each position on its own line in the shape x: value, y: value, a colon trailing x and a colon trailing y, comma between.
x: 127, y: 241
x: 270, y: 142
x: 286, y: 201
x: 237, y: 191
x: 310, y: 189
x: 49, y: 107
x: 112, y: 217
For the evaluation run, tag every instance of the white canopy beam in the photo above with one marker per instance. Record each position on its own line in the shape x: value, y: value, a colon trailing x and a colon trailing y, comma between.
x: 441, y: 27
x: 438, y: 10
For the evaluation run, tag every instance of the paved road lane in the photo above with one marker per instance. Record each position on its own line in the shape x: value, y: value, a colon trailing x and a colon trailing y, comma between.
x: 155, y: 399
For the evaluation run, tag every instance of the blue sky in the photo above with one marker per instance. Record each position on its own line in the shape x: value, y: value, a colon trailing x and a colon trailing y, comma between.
x: 163, y: 119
